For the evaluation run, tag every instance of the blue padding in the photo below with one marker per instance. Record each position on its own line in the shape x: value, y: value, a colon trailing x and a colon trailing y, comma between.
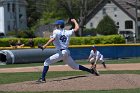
x: 107, y: 51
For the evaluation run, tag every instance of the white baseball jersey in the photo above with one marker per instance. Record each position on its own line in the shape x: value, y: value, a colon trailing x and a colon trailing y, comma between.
x: 62, y: 38
x: 96, y: 54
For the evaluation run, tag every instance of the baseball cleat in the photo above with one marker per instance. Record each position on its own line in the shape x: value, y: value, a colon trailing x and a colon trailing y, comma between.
x: 40, y: 80
x: 104, y: 64
x: 94, y: 71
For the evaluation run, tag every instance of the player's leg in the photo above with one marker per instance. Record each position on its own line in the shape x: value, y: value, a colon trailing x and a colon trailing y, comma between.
x: 92, y: 61
x: 102, y: 61
x: 52, y: 59
x: 73, y: 65
x: 68, y: 59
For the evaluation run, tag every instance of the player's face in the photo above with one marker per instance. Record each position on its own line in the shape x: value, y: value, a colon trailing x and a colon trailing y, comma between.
x: 94, y: 49
x: 57, y: 26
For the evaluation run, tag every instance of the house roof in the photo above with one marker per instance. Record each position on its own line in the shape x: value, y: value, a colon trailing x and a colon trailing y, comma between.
x: 20, y: 1
x: 128, y: 6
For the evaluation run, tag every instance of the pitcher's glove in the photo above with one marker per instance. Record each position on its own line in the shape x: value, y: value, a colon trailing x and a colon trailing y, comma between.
x: 41, y: 47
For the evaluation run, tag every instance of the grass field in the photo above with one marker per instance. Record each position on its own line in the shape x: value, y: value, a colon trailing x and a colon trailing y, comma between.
x: 90, y: 91
x: 113, y: 61
x: 7, y: 78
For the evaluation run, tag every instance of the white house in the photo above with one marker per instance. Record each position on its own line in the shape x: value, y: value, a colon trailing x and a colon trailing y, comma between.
x: 123, y: 13
x: 12, y: 15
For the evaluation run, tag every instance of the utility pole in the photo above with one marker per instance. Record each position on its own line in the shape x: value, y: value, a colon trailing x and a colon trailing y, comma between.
x: 136, y: 20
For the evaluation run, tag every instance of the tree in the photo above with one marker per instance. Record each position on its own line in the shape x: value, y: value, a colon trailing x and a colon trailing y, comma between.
x: 60, y: 9
x: 106, y: 26
x: 32, y: 14
x: 43, y: 12
x: 78, y: 9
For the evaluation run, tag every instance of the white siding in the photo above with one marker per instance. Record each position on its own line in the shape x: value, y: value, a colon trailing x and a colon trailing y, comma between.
x: 115, y: 13
x: 22, y: 20
x: 2, y: 30
x: 9, y: 20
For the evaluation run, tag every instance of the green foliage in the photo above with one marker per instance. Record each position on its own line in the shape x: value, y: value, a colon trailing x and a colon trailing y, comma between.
x: 7, y: 78
x: 41, y: 12
x: 40, y: 41
x: 90, y: 32
x: 32, y: 14
x: 112, y: 39
x: 106, y: 26
x: 44, y: 12
x: 22, y: 34
x: 4, y: 42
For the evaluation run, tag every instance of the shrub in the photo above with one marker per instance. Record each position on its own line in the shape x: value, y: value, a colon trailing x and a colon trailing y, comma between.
x: 106, y: 26
x: 22, y: 34
x: 112, y: 39
x: 91, y: 32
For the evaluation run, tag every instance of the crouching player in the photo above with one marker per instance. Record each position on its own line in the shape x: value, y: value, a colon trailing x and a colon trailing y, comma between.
x: 95, y: 56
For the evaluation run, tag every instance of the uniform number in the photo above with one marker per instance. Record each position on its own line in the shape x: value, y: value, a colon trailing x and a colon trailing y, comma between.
x: 63, y: 38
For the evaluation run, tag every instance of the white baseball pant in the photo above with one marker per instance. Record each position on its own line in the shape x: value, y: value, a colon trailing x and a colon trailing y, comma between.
x: 100, y: 59
x: 62, y: 55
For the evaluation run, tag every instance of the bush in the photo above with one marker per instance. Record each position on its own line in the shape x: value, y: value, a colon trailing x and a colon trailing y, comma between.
x: 22, y: 34
x: 4, y: 42
x: 112, y: 39
x: 91, y: 32
x: 106, y: 26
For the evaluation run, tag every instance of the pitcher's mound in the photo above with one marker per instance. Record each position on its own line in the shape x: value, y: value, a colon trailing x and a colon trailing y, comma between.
x: 81, y: 82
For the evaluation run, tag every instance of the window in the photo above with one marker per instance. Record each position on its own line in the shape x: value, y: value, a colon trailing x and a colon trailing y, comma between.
x: 8, y: 25
x: 115, y: 8
x: 13, y: 7
x: 8, y: 7
x: 9, y: 28
x: 129, y: 24
x: 91, y: 24
x: 104, y: 11
x: 14, y: 24
x: 117, y: 23
x: 118, y: 27
x: 19, y: 10
x: 20, y: 16
x: 109, y: 1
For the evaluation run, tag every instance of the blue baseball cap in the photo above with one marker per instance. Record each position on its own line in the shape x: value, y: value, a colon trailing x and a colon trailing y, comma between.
x: 59, y: 22
x: 93, y: 46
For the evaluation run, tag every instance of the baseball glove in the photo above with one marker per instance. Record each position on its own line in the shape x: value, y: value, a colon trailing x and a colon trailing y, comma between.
x: 41, y: 47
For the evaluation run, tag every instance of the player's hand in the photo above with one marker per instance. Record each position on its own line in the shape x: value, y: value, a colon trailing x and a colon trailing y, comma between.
x: 93, y: 66
x: 88, y: 60
x: 73, y: 20
x: 41, y: 47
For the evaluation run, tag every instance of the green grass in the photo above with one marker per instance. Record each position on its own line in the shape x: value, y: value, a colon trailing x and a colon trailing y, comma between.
x: 115, y: 61
x: 6, y: 78
x: 123, y: 61
x: 27, y: 65
x: 89, y: 91
x: 20, y: 65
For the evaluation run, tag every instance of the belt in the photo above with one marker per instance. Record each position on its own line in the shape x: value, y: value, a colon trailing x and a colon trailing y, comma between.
x: 62, y: 49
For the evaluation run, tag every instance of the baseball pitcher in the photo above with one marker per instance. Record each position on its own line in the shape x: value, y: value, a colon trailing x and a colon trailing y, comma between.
x: 60, y: 39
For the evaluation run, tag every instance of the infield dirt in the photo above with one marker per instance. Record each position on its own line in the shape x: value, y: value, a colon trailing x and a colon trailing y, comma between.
x: 81, y: 82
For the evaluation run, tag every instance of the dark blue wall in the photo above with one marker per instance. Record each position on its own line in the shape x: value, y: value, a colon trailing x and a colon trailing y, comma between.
x: 107, y: 51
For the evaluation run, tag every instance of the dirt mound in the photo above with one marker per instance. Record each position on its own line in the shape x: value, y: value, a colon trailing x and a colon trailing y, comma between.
x: 81, y: 82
